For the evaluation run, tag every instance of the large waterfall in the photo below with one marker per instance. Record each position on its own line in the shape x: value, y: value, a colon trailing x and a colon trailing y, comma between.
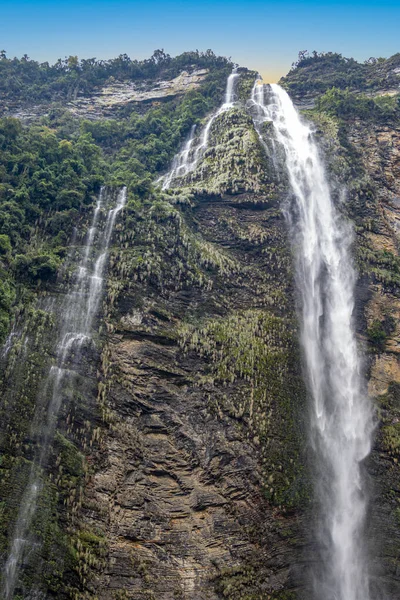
x: 341, y: 416
x: 77, y: 314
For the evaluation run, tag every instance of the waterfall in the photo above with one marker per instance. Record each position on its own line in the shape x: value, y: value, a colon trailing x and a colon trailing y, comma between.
x: 341, y: 415
x: 78, y: 313
x: 227, y: 105
x: 186, y: 160
x: 8, y: 343
x: 180, y: 164
x: 230, y: 95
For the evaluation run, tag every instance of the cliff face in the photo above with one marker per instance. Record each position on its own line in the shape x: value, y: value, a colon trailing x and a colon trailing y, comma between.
x: 106, y: 101
x: 202, y: 472
x: 179, y: 467
x: 380, y: 156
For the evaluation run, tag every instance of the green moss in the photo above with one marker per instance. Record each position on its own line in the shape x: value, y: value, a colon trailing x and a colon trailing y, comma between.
x: 69, y: 456
x: 383, y: 265
x: 252, y: 345
x: 326, y: 124
x: 245, y: 84
x: 234, y: 161
x: 158, y: 248
x: 238, y: 584
x: 259, y: 348
x: 242, y: 583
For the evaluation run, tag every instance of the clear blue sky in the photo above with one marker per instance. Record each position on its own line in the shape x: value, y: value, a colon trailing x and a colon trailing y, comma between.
x: 260, y: 35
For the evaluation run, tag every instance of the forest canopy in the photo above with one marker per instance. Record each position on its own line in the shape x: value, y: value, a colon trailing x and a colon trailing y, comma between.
x: 22, y: 78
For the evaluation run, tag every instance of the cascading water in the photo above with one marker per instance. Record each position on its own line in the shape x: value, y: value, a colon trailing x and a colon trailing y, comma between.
x: 186, y: 160
x: 180, y: 164
x: 8, y: 343
x: 228, y: 104
x: 342, y: 419
x: 78, y: 313
x: 230, y: 89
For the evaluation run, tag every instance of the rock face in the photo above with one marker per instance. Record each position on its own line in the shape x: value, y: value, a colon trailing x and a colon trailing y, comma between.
x: 197, y: 490
x: 381, y: 160
x: 117, y: 95
x: 211, y: 496
x: 180, y: 466
x: 114, y: 96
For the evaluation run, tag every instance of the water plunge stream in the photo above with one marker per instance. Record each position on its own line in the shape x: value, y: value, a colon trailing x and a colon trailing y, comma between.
x: 77, y: 313
x: 341, y: 416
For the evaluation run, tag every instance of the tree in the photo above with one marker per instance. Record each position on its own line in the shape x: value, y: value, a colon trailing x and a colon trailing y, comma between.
x: 73, y: 62
x: 159, y: 56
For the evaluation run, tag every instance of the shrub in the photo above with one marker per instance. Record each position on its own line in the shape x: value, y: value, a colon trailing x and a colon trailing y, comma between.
x: 5, y: 245
x: 377, y: 335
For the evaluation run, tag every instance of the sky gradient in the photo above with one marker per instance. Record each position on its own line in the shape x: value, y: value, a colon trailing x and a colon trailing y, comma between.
x: 264, y: 36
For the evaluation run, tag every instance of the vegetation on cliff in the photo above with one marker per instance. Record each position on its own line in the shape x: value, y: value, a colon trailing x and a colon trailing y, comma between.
x: 52, y: 169
x: 24, y: 81
x: 192, y: 421
x: 313, y: 74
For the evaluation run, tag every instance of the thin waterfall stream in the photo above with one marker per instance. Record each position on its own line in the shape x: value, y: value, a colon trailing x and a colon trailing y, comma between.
x: 187, y: 160
x: 341, y: 415
x: 78, y: 313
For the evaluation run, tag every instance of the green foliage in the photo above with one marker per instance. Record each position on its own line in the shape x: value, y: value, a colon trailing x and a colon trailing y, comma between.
x: 50, y: 170
x: 165, y: 253
x: 383, y: 265
x: 380, y: 330
x: 377, y: 335
x: 235, y: 162
x: 39, y: 266
x: 25, y: 79
x: 40, y: 171
x: 346, y: 105
x: 245, y: 84
x: 69, y: 456
x: 316, y: 73
x: 252, y: 346
x: 257, y: 347
x: 7, y: 297
x: 242, y: 583
x: 146, y: 144
x: 5, y: 244
x: 391, y: 439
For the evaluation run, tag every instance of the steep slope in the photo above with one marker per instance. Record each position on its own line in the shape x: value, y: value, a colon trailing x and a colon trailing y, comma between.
x: 202, y: 468
x: 179, y: 467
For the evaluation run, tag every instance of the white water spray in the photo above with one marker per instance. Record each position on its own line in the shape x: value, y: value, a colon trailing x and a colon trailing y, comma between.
x: 341, y: 424
x: 78, y: 314
x: 8, y: 343
x: 186, y: 160
x: 180, y: 164
x: 230, y: 95
x: 227, y: 105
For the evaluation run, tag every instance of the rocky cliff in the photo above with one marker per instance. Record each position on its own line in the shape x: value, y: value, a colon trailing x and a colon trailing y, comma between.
x: 180, y: 464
